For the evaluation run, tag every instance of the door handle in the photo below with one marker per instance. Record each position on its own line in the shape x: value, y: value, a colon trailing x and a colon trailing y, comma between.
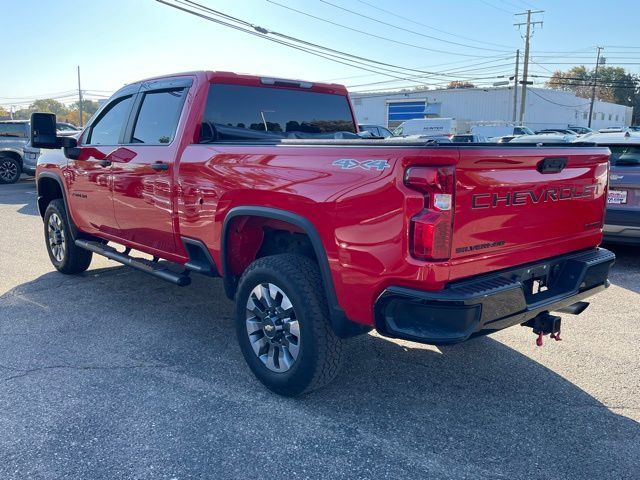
x: 104, y: 163
x: 159, y: 166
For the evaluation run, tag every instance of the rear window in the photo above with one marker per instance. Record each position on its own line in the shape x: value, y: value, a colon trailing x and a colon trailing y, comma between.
x: 624, y: 155
x: 158, y: 117
x: 13, y: 130
x: 240, y: 113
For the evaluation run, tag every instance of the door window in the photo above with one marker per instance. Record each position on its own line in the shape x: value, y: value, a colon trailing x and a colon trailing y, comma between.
x: 107, y: 129
x: 158, y: 117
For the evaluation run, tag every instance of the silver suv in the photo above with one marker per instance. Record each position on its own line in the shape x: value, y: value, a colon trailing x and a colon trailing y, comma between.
x: 15, y: 155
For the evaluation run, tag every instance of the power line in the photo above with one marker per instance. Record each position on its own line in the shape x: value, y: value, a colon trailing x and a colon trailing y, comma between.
x: 360, y: 14
x: 331, y: 54
x: 399, y: 42
x: 496, y: 7
x: 389, y: 12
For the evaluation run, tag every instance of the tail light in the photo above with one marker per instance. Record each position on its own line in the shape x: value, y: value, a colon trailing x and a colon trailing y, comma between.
x: 431, y: 229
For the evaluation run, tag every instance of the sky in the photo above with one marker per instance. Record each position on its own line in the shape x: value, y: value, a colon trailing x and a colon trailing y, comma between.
x: 428, y: 42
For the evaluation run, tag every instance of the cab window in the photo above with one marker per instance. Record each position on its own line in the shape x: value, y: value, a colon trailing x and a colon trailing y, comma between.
x: 158, y: 117
x: 109, y: 126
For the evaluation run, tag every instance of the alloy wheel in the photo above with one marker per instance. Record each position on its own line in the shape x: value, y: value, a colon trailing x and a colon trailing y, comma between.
x: 57, y: 241
x: 8, y: 171
x: 272, y: 327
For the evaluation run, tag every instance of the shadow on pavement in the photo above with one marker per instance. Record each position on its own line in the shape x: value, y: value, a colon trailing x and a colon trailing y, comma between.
x: 115, y: 370
x: 626, y: 271
x: 19, y: 193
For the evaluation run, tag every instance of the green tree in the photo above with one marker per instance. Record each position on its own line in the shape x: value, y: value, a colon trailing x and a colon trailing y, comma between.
x: 49, y: 105
x: 4, y: 113
x: 89, y: 106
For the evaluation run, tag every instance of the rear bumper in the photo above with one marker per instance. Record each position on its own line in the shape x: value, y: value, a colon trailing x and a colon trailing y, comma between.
x: 491, y: 302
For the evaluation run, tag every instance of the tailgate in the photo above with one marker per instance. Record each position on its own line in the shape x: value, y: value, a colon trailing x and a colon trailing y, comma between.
x: 547, y: 200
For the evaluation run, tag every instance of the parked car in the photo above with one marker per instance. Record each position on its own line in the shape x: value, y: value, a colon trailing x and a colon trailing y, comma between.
x: 611, y: 130
x: 376, y: 130
x: 490, y: 131
x: 468, y: 138
x: 622, y: 219
x: 318, y: 237
x: 14, y: 135
x: 503, y: 139
x: 67, y: 129
x: 581, y: 130
x: 634, y: 128
x: 545, y: 138
x: 560, y: 131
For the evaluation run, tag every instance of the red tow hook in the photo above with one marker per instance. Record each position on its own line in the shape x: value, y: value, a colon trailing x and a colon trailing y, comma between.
x: 544, y: 324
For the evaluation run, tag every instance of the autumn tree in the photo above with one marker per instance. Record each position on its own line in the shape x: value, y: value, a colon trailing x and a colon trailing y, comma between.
x: 614, y: 84
x: 460, y: 84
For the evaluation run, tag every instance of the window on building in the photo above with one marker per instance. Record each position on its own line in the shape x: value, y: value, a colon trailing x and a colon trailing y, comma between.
x: 610, y: 116
x: 602, y: 116
x: 616, y: 117
x: 585, y: 115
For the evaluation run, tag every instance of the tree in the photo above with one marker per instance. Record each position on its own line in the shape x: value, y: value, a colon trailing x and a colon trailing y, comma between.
x: 614, y: 84
x: 89, y: 106
x: 4, y: 113
x: 49, y: 105
x: 460, y: 84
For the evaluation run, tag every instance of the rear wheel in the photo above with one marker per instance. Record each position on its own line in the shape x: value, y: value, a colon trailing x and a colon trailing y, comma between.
x: 63, y: 253
x: 283, y: 326
x: 9, y: 170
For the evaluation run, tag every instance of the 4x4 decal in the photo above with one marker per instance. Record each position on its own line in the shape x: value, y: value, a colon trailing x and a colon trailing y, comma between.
x: 371, y: 164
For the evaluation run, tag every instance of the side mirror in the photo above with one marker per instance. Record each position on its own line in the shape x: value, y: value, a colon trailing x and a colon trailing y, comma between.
x: 43, y: 132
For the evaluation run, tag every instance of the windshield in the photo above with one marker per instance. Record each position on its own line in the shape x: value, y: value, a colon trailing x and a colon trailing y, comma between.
x: 624, y: 155
x: 523, y: 131
x: 244, y: 113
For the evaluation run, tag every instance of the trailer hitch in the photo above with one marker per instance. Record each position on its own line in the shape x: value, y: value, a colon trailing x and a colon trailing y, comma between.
x: 545, y: 324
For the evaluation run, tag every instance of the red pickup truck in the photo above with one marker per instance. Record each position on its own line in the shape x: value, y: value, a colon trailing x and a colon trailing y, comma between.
x: 319, y: 234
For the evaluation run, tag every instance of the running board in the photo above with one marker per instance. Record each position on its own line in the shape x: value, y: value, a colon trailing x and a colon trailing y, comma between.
x: 148, y: 266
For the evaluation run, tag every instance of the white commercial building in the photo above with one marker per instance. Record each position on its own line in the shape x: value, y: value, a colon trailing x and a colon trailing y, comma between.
x: 545, y: 108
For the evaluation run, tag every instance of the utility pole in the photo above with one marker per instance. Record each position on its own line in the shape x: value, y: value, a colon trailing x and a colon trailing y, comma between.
x: 79, y: 97
x: 525, y: 69
x: 593, y: 90
x: 515, y: 88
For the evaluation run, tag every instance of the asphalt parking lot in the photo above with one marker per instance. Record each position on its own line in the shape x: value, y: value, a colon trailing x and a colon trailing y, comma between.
x: 114, y: 374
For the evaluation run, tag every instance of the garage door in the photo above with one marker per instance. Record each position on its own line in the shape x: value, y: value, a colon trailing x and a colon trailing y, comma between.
x: 398, y: 112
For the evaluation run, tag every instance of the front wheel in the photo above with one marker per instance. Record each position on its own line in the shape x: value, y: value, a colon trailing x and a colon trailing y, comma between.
x: 9, y: 170
x: 283, y: 325
x: 63, y: 253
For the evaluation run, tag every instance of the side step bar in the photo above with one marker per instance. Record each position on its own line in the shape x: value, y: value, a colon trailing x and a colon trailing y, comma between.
x: 148, y: 266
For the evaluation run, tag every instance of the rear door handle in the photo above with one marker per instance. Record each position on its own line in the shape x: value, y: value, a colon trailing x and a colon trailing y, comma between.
x: 159, y: 166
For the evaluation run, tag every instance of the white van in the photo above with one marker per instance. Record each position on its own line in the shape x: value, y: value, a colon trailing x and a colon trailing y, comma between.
x: 491, y: 131
x: 427, y: 127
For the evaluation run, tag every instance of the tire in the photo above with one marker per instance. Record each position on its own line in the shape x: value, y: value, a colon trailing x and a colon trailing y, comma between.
x: 305, y: 354
x: 63, y: 253
x: 10, y: 170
